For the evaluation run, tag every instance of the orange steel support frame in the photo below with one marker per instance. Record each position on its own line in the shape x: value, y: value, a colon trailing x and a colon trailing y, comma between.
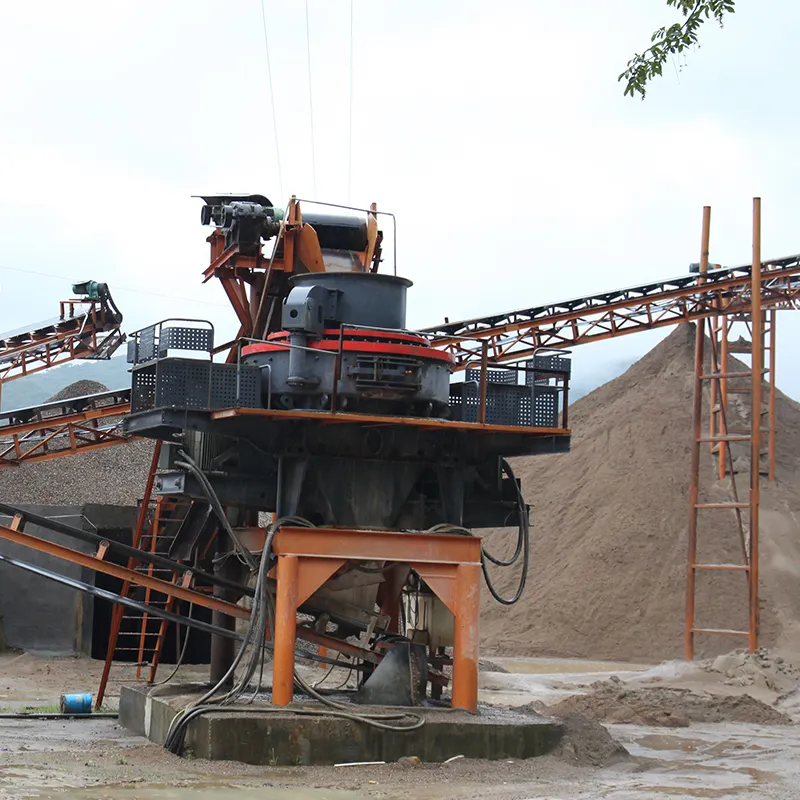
x: 449, y: 564
x: 97, y: 563
x: 71, y: 336
x: 62, y: 434
x: 720, y: 437
x: 331, y: 417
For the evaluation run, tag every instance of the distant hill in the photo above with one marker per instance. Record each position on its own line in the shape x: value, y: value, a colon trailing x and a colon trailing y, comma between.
x: 37, y: 388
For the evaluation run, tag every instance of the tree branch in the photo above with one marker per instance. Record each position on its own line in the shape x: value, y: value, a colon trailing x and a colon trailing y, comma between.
x: 645, y: 66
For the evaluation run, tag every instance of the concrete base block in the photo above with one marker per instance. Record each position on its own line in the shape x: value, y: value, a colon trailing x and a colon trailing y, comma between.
x: 283, y: 738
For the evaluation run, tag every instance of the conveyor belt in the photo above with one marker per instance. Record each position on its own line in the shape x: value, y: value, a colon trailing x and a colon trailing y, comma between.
x: 84, y: 329
x: 517, y: 334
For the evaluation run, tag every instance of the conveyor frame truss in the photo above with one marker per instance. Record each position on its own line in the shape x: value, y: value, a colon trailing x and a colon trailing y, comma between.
x: 85, y: 328
x: 518, y: 334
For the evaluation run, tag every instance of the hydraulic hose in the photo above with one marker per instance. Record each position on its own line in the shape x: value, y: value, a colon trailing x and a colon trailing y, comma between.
x: 522, y: 547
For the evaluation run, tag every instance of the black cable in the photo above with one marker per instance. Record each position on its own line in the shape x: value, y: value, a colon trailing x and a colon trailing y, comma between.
x: 523, y: 538
x: 523, y: 545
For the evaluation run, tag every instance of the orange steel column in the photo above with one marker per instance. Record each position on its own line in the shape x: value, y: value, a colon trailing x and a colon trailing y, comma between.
x: 714, y: 325
x: 772, y: 316
x: 694, y: 479
x: 465, y: 645
x: 755, y: 421
x: 285, y: 630
x: 722, y: 465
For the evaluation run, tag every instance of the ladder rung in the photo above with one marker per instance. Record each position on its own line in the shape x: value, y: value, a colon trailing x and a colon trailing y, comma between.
x: 722, y: 631
x: 724, y: 438
x: 723, y: 567
x: 713, y: 375
x: 722, y: 505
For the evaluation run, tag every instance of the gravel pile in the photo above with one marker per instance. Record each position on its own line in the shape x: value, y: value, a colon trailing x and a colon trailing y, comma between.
x: 114, y: 475
x: 78, y: 389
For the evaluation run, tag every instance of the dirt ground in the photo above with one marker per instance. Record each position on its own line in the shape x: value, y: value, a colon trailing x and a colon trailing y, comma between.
x: 95, y: 758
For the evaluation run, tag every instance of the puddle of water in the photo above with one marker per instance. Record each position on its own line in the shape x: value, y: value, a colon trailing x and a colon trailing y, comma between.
x: 657, y: 741
x: 546, y: 679
x: 721, y: 760
x: 695, y: 782
x: 547, y: 666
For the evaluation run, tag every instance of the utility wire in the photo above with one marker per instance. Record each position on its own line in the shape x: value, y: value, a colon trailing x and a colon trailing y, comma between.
x: 311, y: 105
x: 120, y: 288
x: 350, y: 130
x: 272, y: 101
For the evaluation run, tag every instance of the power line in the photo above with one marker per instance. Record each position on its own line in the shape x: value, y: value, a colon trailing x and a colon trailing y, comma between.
x: 350, y: 131
x: 311, y: 105
x: 120, y: 288
x: 272, y: 102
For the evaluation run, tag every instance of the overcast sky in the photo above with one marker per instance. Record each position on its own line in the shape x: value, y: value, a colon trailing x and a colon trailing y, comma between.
x: 496, y: 132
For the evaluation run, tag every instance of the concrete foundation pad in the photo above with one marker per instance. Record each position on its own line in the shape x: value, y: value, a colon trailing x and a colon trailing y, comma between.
x: 284, y: 738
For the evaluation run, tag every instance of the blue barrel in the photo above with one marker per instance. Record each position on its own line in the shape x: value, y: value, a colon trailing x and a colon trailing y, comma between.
x: 76, y: 703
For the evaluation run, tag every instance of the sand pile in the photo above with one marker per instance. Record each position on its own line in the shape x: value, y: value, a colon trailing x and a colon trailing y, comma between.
x: 588, y: 743
x: 760, y: 670
x: 611, y: 701
x: 585, y: 741
x: 608, y: 562
x: 112, y: 475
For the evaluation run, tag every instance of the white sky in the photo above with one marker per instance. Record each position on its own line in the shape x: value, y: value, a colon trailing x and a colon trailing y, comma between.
x: 497, y: 132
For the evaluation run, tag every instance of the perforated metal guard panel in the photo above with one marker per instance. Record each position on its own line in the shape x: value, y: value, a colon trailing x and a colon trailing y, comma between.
x: 191, y: 384
x: 548, y: 364
x: 143, y: 389
x: 223, y: 387
x: 182, y: 383
x: 180, y: 338
x: 505, y: 405
x: 492, y: 375
x: 143, y: 346
x: 545, y: 406
x: 559, y: 363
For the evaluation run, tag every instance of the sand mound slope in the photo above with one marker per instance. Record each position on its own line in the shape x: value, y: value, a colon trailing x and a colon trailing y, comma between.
x: 608, y: 567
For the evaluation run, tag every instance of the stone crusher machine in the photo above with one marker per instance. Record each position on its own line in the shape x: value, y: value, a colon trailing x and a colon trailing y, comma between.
x: 336, y: 465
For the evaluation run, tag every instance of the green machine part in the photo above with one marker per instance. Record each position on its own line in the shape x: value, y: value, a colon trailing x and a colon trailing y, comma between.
x: 90, y: 289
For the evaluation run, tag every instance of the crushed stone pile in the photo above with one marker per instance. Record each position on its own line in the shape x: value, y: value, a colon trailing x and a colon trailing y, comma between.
x: 78, y: 389
x: 609, y: 530
x: 113, y: 475
x: 611, y: 701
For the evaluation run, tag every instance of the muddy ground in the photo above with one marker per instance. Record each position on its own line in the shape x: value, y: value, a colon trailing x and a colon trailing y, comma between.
x: 95, y: 758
